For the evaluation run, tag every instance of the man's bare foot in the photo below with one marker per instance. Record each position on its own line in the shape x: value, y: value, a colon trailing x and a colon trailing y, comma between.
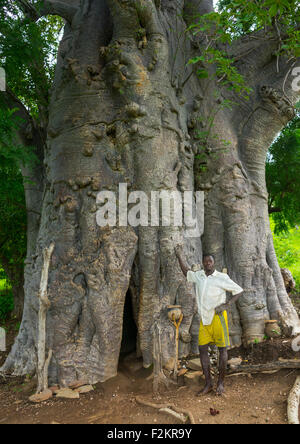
x: 220, y: 389
x: 207, y: 389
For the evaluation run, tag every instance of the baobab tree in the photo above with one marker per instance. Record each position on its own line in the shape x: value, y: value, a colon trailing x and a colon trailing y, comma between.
x: 126, y: 106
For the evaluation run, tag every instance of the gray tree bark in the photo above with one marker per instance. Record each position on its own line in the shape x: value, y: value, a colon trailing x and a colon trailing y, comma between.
x: 126, y: 107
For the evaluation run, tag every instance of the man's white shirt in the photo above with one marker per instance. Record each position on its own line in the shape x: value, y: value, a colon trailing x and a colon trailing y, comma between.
x: 211, y: 292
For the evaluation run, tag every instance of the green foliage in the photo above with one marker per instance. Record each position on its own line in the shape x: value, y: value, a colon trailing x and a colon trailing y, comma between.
x: 28, y: 54
x: 241, y: 17
x: 12, y: 154
x: 235, y: 18
x: 6, y: 304
x: 12, y: 196
x: 12, y: 204
x: 283, y: 177
x: 225, y: 70
x: 6, y: 298
x: 209, y: 135
x: 287, y: 247
x: 4, y: 285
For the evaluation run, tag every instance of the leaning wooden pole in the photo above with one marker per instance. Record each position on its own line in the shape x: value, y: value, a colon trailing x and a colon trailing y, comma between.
x: 293, y: 403
x: 42, y: 363
x: 176, y: 325
x: 158, y: 375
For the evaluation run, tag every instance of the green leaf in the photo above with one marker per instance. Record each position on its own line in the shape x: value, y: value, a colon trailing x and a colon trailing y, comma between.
x: 202, y: 73
x: 273, y: 10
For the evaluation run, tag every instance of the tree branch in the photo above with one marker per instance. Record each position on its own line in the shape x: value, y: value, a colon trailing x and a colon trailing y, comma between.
x: 11, y: 102
x: 60, y: 8
x: 255, y: 57
x: 193, y: 8
x: 28, y: 9
x: 49, y: 7
x: 274, y: 210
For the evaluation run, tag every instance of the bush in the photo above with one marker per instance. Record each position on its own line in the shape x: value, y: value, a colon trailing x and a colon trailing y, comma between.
x: 2, y: 274
x: 6, y: 299
x: 287, y: 247
x: 6, y: 304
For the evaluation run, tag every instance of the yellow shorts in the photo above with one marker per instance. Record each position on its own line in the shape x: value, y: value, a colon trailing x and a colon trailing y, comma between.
x: 216, y: 332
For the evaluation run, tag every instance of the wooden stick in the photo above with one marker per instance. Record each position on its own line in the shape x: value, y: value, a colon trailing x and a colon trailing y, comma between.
x: 293, y: 403
x: 177, y: 325
x: 257, y: 368
x: 42, y: 371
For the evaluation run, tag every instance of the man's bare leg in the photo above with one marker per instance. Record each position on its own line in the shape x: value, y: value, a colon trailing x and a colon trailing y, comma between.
x: 205, y: 362
x: 223, y: 358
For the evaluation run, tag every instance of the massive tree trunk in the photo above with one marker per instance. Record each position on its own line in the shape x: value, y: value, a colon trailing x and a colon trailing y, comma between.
x: 126, y: 108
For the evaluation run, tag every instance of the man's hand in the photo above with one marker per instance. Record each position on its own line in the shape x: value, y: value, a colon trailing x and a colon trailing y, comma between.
x: 219, y: 310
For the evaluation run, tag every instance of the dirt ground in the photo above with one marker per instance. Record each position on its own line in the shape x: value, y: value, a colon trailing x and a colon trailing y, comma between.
x: 256, y: 399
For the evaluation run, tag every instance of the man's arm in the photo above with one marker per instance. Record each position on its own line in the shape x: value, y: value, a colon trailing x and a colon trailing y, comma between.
x: 181, y: 259
x: 236, y: 291
x: 232, y: 300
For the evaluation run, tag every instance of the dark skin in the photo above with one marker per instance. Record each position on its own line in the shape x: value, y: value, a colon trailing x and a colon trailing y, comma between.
x: 209, y: 268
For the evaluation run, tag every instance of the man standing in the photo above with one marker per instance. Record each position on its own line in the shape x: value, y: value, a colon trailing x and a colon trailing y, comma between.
x: 211, y: 287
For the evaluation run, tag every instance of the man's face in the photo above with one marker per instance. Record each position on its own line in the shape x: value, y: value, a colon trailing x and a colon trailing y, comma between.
x: 208, y: 263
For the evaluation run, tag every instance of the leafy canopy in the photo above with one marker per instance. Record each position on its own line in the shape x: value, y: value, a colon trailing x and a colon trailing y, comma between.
x: 28, y: 52
x: 283, y: 177
x: 270, y: 19
x: 287, y: 247
x: 12, y: 197
x: 234, y: 18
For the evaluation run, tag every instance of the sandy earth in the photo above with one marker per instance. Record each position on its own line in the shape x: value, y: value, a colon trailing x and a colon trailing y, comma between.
x: 256, y: 399
x: 260, y: 399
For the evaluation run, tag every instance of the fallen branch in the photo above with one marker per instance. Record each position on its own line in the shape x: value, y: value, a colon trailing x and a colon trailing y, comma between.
x: 293, y: 403
x: 258, y: 368
x: 186, y: 413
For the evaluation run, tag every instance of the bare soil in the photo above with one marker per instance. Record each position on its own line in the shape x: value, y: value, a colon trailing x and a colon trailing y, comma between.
x: 249, y: 399
x: 256, y: 399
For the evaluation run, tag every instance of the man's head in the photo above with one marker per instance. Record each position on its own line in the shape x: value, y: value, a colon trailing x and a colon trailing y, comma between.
x: 208, y: 263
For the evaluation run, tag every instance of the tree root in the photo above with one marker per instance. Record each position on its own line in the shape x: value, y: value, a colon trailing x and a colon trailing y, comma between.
x: 179, y: 416
x: 159, y: 380
x: 293, y: 403
x: 166, y: 409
